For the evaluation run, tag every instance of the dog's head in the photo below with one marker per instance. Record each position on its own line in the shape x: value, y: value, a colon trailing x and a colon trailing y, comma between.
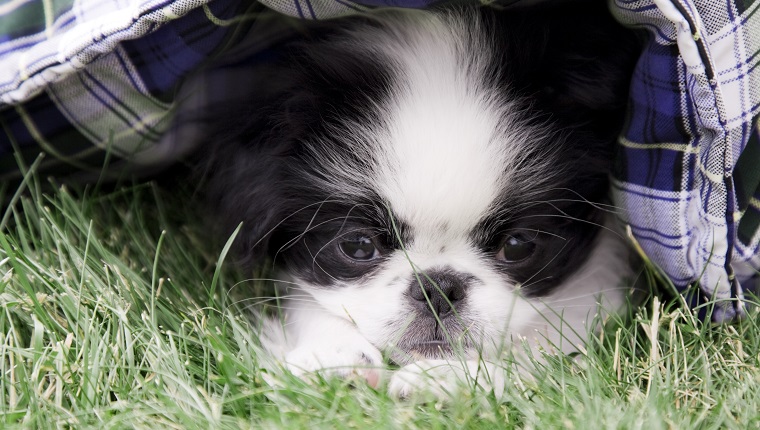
x: 434, y: 177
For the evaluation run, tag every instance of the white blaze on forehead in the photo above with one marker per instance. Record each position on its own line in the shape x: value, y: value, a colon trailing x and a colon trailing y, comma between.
x: 446, y: 142
x: 443, y: 160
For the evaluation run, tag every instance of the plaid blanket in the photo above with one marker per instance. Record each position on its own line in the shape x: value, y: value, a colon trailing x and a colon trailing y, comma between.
x: 96, y: 82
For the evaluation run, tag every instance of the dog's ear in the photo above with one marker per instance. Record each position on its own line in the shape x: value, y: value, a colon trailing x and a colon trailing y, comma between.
x: 574, y: 63
x: 256, y: 164
x: 246, y: 162
x: 244, y: 186
x: 589, y: 66
x: 575, y: 60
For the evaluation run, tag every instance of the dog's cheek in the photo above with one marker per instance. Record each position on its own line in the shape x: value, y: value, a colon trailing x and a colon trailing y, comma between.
x: 376, y: 307
x: 498, y: 310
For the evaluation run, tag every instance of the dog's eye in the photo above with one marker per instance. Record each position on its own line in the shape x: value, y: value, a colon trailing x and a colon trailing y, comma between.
x: 516, y: 247
x: 360, y: 248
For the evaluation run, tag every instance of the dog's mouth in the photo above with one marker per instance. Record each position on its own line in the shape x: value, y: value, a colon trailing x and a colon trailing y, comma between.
x: 411, y: 351
x: 431, y: 349
x: 425, y: 338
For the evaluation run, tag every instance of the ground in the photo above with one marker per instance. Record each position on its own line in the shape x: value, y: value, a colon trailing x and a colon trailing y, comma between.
x: 116, y: 312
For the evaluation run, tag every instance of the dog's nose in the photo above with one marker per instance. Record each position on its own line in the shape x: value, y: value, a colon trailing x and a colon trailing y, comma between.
x: 438, y: 291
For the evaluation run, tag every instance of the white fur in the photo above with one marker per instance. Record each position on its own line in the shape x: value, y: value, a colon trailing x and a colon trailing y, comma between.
x: 446, y: 150
x: 336, y: 329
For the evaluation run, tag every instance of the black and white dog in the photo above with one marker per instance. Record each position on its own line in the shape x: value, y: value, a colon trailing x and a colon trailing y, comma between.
x: 431, y: 187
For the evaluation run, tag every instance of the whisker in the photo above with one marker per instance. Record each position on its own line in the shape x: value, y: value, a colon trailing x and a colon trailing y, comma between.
x: 581, y: 199
x: 282, y: 307
x: 581, y: 296
x: 527, y: 281
x: 602, y: 226
x: 287, y: 245
x: 526, y: 285
x: 287, y: 217
x: 334, y: 238
x: 314, y: 264
x: 289, y: 297
x: 312, y: 226
x: 535, y: 230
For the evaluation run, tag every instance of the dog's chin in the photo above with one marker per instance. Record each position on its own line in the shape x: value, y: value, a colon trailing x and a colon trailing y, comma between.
x: 412, y: 351
x: 415, y: 349
x: 421, y: 350
x: 426, y: 340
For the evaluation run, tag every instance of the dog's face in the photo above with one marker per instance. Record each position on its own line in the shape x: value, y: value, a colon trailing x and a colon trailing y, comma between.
x: 434, y: 178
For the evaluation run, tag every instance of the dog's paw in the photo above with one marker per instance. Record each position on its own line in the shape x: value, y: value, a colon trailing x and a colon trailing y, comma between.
x: 443, y: 379
x: 343, y: 360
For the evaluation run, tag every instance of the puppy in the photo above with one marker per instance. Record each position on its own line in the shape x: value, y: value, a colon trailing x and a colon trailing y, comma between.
x: 430, y: 187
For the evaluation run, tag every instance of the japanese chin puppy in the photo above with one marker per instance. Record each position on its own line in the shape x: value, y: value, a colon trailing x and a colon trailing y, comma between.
x: 430, y: 187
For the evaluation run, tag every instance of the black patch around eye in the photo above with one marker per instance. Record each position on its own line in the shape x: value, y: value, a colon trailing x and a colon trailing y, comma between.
x: 360, y: 249
x: 323, y: 256
x: 344, y: 242
x: 517, y: 247
x: 542, y: 245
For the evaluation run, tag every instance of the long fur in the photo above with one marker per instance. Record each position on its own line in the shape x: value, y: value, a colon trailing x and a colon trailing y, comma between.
x: 447, y: 139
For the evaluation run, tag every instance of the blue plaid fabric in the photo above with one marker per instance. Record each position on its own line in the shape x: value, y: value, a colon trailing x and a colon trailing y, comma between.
x: 90, y: 81
x: 688, y: 169
x: 83, y: 78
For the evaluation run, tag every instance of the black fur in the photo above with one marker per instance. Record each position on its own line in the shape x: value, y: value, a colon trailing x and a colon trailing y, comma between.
x: 571, y: 63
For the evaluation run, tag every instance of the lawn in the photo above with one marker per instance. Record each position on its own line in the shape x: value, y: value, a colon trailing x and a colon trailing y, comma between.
x: 117, y: 312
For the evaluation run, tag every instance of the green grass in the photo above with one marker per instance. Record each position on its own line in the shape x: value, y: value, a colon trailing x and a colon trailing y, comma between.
x: 115, y: 313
